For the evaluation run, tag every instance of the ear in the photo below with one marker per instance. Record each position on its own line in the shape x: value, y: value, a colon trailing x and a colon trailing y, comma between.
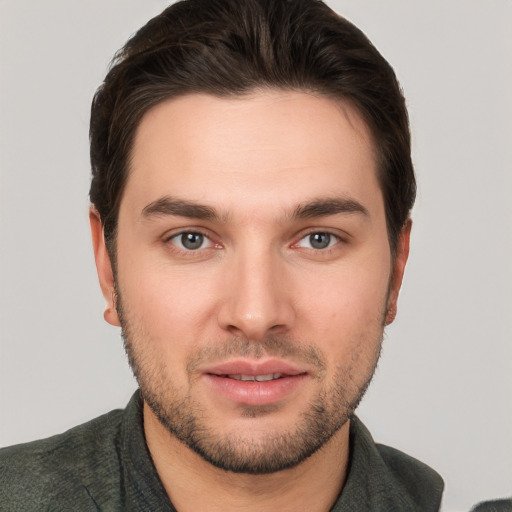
x: 402, y: 253
x: 104, y: 267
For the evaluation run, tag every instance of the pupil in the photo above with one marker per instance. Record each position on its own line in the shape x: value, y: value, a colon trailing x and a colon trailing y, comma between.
x: 320, y: 240
x: 192, y: 240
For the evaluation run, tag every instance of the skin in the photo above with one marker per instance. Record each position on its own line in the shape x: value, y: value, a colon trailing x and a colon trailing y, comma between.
x: 256, y: 161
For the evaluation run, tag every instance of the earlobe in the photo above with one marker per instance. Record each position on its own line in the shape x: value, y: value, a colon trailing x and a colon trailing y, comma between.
x: 103, y: 267
x: 399, y: 262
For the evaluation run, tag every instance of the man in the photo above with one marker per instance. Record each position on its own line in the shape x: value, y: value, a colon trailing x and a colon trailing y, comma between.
x: 251, y: 192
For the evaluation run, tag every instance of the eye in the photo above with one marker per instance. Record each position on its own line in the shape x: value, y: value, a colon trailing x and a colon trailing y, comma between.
x: 318, y: 240
x: 190, y: 241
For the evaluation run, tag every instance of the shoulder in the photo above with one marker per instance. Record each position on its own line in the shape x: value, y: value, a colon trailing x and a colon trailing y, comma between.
x: 384, y: 479
x: 37, y: 473
x: 414, y: 476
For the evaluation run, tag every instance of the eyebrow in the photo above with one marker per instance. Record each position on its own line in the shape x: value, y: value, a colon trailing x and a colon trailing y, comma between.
x: 167, y: 205
x: 329, y: 206
x: 178, y: 207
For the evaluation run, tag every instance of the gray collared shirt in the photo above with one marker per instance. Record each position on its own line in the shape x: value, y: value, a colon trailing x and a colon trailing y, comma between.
x: 105, y: 465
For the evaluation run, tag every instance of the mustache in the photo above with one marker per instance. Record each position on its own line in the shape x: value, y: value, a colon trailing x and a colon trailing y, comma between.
x: 270, y: 346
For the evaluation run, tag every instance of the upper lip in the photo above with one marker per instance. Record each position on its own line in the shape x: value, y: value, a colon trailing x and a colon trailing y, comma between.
x: 254, y: 368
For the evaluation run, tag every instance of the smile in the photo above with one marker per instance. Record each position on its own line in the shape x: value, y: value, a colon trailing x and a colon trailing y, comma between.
x: 255, y: 390
x: 256, y: 378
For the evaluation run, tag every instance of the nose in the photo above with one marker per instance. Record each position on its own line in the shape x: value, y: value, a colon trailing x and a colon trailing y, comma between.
x: 257, y: 296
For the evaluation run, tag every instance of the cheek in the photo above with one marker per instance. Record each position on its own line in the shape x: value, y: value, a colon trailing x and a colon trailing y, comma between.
x: 347, y: 305
x: 163, y: 319
x: 168, y: 303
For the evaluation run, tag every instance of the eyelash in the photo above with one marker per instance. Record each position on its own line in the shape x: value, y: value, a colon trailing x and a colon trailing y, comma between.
x: 333, y: 241
x: 213, y: 245
x: 190, y: 252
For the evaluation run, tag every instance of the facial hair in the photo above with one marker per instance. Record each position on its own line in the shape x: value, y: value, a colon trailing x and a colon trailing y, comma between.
x: 184, y: 417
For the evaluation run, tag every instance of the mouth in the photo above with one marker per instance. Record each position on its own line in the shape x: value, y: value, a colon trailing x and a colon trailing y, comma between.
x: 254, y: 378
x: 255, y: 383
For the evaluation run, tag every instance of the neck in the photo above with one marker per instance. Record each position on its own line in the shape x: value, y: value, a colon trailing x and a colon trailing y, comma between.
x: 194, y: 484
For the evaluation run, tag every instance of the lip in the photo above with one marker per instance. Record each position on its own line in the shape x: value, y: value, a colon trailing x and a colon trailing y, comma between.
x: 255, y: 393
x: 253, y: 368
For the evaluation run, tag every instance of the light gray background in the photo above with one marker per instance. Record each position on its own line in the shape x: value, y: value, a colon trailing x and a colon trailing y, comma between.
x: 444, y: 387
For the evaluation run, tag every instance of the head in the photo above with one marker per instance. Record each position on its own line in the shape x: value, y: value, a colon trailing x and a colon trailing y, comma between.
x: 251, y: 191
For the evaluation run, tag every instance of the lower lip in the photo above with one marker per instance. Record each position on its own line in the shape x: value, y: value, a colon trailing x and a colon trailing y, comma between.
x: 254, y: 392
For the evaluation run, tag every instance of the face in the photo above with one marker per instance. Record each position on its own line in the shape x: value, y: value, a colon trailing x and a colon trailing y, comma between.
x: 254, y: 275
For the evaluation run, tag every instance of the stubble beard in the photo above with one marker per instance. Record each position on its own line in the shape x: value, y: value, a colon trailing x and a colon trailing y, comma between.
x: 185, y: 419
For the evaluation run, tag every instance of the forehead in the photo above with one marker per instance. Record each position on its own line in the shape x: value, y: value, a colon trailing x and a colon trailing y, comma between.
x: 257, y: 150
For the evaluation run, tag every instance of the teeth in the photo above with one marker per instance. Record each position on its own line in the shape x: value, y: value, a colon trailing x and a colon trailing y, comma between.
x: 258, y: 378
x: 271, y: 376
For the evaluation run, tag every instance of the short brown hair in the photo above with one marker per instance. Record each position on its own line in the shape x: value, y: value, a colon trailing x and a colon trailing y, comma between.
x: 231, y: 47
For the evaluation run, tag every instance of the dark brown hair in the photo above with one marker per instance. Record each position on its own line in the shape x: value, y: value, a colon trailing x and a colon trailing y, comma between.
x: 231, y: 47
